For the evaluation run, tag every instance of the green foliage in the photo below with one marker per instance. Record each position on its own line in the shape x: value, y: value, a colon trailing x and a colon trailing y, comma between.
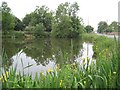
x: 18, y: 34
x: 19, y: 26
x: 102, y: 27
x: 7, y: 18
x: 64, y: 27
x: 66, y: 23
x: 26, y: 20
x: 40, y: 15
x: 7, y: 22
x: 13, y: 34
x: 89, y: 29
x: 62, y: 23
x: 30, y: 28
x: 114, y: 26
x: 46, y: 19
x: 39, y: 30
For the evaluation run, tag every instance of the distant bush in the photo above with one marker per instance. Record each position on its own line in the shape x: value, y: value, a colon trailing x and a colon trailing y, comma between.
x: 39, y: 30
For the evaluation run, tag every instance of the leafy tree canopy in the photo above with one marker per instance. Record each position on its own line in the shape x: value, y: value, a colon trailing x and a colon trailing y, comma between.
x: 89, y: 29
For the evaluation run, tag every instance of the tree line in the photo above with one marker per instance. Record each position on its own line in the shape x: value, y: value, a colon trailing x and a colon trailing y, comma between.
x: 42, y: 22
x: 104, y: 27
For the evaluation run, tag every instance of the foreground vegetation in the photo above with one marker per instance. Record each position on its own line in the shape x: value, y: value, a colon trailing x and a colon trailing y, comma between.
x: 104, y: 74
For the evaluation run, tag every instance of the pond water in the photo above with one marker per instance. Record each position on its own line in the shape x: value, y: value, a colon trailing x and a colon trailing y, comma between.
x: 39, y: 55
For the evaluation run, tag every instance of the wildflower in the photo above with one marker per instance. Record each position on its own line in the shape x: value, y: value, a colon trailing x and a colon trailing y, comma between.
x: 4, y: 76
x: 60, y: 83
x: 50, y: 70
x: 42, y: 73
x: 73, y: 64
x: 88, y: 58
x: 3, y: 81
x: 0, y: 78
x: 114, y: 72
x: 7, y: 73
x: 59, y: 69
x: 106, y: 49
x: 53, y: 56
x: 84, y: 82
x: 83, y: 58
x: 84, y: 62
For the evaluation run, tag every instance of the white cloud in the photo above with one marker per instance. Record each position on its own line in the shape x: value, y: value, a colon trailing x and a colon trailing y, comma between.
x: 95, y: 10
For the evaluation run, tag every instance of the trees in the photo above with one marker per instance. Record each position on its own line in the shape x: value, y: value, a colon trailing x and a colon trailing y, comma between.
x: 45, y: 17
x: 118, y: 26
x: 27, y: 19
x: 39, y: 22
x: 40, y: 15
x: 114, y: 26
x: 89, y: 29
x: 39, y: 30
x: 102, y: 27
x: 18, y: 24
x: 8, y: 22
x: 66, y: 23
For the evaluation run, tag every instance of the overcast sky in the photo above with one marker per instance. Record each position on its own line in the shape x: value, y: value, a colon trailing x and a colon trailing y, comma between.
x: 91, y: 11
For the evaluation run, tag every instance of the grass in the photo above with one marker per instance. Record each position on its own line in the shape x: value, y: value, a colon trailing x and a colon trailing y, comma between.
x: 104, y: 74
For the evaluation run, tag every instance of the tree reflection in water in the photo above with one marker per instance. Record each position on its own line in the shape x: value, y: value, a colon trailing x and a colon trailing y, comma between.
x: 42, y: 54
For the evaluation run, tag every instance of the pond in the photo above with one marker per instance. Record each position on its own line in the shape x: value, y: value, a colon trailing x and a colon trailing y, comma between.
x: 29, y: 56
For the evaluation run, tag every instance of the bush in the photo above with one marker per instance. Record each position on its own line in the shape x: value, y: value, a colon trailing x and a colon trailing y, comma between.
x: 39, y: 30
x: 67, y: 27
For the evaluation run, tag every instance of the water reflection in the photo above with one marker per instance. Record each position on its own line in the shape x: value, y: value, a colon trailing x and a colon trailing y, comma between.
x: 64, y: 50
x: 42, y: 54
x: 28, y: 66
